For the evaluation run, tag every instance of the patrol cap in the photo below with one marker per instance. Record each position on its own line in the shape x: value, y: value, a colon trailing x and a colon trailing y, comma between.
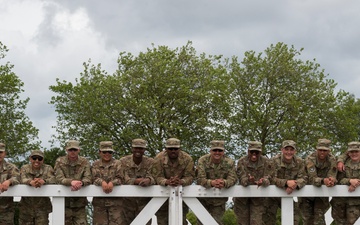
x: 323, y: 144
x: 37, y: 152
x: 139, y: 143
x: 353, y: 146
x: 72, y: 144
x: 2, y: 147
x: 289, y: 143
x: 172, y: 143
x: 106, y: 146
x: 255, y: 145
x: 216, y: 144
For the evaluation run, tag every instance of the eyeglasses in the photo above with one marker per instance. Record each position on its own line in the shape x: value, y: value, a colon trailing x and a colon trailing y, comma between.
x: 107, y: 152
x: 73, y: 150
x: 38, y: 158
x: 172, y: 149
x: 322, y: 150
x: 217, y: 150
x: 254, y: 152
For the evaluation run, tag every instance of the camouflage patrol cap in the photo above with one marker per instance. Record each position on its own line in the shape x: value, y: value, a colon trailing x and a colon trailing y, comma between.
x: 72, y: 144
x: 139, y: 143
x: 353, y: 146
x: 323, y: 144
x: 255, y: 145
x: 216, y: 144
x: 172, y: 143
x: 106, y: 146
x: 2, y: 147
x: 37, y: 152
x: 289, y: 143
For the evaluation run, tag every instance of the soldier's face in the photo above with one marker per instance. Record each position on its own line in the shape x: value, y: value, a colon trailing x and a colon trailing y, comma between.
x: 138, y: 152
x: 288, y: 153
x: 106, y: 156
x: 354, y: 155
x: 216, y: 154
x: 73, y: 154
x: 254, y: 155
x: 2, y: 156
x: 36, y: 161
x: 173, y: 153
x: 322, y: 154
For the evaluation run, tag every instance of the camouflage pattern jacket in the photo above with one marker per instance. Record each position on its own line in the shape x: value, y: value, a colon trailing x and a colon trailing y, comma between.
x: 207, y: 171
x: 8, y: 171
x: 27, y: 174
x: 258, y: 169
x: 130, y: 171
x: 162, y: 168
x: 67, y: 171
x: 317, y: 171
x: 282, y: 172
x: 352, y: 171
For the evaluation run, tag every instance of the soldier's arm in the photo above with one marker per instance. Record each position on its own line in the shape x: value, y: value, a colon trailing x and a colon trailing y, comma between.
x: 302, y: 177
x: 50, y: 175
x: 24, y: 176
x: 157, y: 172
x: 188, y: 174
x: 87, y: 176
x: 118, y: 174
x: 242, y: 174
x: 96, y: 175
x: 14, y: 175
x: 231, y: 176
x: 201, y: 178
x: 60, y: 175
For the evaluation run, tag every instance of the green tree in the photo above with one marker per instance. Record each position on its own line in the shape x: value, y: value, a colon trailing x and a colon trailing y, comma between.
x: 159, y: 94
x: 229, y: 217
x: 278, y: 96
x: 17, y: 131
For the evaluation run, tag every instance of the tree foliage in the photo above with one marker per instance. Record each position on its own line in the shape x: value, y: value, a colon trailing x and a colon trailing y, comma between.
x: 17, y: 131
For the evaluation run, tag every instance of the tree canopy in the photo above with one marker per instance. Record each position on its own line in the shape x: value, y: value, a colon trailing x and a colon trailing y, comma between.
x: 17, y: 131
x: 163, y: 92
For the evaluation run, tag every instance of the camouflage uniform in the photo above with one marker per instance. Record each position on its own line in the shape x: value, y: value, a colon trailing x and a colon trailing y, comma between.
x: 130, y: 171
x: 351, y: 205
x: 281, y: 172
x: 8, y: 171
x: 208, y: 171
x: 163, y: 168
x: 313, y: 209
x: 249, y: 211
x: 35, y: 210
x: 107, y: 210
x: 67, y: 171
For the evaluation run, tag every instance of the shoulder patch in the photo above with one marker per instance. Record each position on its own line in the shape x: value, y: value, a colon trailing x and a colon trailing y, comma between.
x: 311, y: 169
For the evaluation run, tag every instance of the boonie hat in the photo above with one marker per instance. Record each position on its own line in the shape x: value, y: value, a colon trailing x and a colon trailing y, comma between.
x: 255, y: 145
x: 37, y: 152
x: 216, y: 144
x: 353, y: 146
x: 172, y: 143
x: 72, y: 144
x: 106, y: 146
x: 139, y: 143
x: 2, y: 147
x: 288, y: 143
x: 323, y: 144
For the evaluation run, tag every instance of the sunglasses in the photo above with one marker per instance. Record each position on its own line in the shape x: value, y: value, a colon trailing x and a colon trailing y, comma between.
x: 73, y: 150
x: 172, y: 149
x: 217, y: 150
x: 254, y: 152
x: 107, y: 152
x: 38, y: 158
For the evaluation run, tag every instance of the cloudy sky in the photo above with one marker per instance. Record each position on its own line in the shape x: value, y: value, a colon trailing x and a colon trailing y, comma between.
x: 51, y: 39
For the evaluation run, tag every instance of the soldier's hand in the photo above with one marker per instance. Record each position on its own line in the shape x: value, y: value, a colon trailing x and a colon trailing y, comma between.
x: 341, y: 166
x: 291, y: 184
x: 5, y: 185
x: 145, y: 182
x: 221, y: 183
x: 351, y: 188
x: 110, y: 187
x: 354, y: 182
x: 329, y: 182
x: 76, y: 185
x: 289, y: 190
x: 39, y: 182
x: 251, y: 179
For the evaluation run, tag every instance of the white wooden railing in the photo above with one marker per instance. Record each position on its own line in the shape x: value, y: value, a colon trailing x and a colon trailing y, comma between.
x: 176, y: 196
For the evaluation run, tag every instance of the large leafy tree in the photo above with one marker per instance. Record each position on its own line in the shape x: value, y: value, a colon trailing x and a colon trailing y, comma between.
x: 158, y: 94
x: 278, y: 96
x: 17, y: 131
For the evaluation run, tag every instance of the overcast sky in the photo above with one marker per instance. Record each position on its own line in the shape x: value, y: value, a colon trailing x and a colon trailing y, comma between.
x: 51, y: 39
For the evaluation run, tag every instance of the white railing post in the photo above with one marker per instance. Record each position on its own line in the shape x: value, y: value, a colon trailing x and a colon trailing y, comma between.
x: 58, y: 213
x: 287, y: 210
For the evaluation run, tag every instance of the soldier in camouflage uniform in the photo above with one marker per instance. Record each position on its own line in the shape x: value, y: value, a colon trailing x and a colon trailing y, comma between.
x: 347, y: 210
x: 251, y: 170
x: 135, y: 170
x: 74, y: 171
x: 321, y: 169
x: 106, y: 173
x: 288, y: 173
x: 35, y: 210
x: 172, y: 167
x: 9, y: 176
x: 218, y: 171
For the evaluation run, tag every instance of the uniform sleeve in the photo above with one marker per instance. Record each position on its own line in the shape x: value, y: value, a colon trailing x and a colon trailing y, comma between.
x: 50, y: 175
x: 60, y: 174
x: 87, y: 176
x: 241, y: 173
x: 311, y: 171
x: 14, y: 175
x: 95, y: 171
x: 189, y: 173
x: 231, y: 176
x: 333, y: 169
x: 117, y: 180
x: 24, y: 176
x: 342, y: 158
x: 157, y: 171
x: 201, y: 174
x: 302, y: 177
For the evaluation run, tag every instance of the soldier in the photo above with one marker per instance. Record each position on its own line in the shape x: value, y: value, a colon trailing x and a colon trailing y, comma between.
x: 347, y: 210
x: 288, y: 173
x: 218, y: 171
x: 135, y: 170
x: 73, y: 170
x: 35, y: 210
x: 9, y: 176
x: 106, y: 173
x: 251, y: 170
x: 321, y: 169
x: 172, y: 167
